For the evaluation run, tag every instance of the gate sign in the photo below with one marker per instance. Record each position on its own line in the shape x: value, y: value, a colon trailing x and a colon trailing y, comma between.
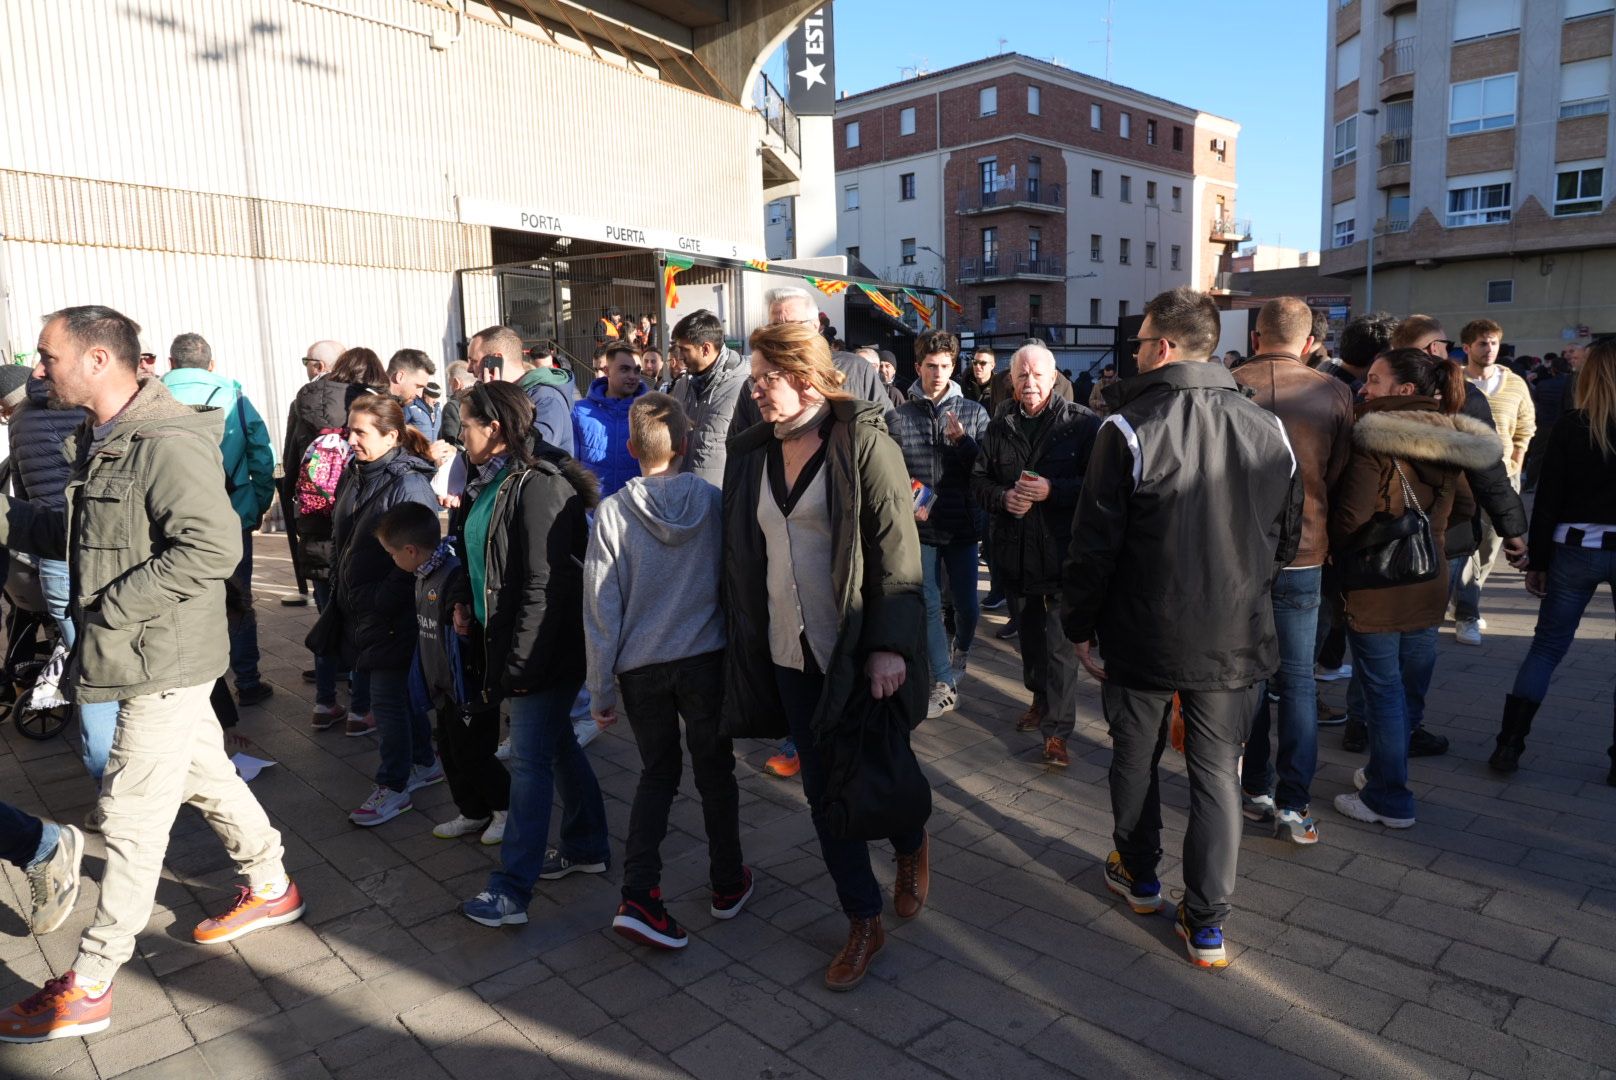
x: 811, y: 65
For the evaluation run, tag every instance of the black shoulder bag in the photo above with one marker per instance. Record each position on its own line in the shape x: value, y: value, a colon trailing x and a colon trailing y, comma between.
x: 1390, y: 550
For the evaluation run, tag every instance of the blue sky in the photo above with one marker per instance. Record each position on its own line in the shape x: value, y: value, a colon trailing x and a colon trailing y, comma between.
x: 1259, y: 62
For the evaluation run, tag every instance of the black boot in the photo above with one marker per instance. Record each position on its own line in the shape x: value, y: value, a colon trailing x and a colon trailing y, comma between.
x: 1355, y: 736
x: 1518, y: 713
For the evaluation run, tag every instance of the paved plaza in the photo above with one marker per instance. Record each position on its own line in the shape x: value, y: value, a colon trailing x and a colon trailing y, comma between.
x: 1480, y: 943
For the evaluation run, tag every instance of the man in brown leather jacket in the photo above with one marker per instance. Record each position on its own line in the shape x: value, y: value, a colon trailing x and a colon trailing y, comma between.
x: 1317, y: 414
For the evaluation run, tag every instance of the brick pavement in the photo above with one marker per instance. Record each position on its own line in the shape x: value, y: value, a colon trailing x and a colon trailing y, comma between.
x: 1478, y: 944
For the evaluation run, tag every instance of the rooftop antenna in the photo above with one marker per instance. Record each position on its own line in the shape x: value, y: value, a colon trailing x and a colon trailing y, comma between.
x: 1002, y: 43
x: 1110, y: 9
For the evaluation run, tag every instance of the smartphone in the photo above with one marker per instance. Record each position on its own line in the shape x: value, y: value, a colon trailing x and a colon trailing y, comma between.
x: 494, y: 363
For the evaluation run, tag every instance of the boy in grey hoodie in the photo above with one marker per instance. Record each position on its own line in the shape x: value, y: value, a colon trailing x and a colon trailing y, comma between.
x: 654, y: 629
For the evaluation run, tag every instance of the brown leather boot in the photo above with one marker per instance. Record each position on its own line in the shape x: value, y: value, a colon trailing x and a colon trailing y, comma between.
x: 1032, y: 719
x: 864, y: 939
x: 914, y: 881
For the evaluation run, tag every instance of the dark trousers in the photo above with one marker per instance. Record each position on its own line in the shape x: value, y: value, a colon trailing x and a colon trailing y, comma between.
x: 19, y: 836
x: 654, y: 698
x: 242, y: 620
x: 1049, y: 667
x: 1216, y: 723
x: 224, y: 706
x: 847, y: 860
x: 477, y: 779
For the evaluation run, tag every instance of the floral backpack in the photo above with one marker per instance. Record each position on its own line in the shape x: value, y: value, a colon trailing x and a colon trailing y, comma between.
x: 317, y: 475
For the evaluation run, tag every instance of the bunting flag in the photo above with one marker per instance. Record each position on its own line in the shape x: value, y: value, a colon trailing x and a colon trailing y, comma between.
x: 921, y: 309
x: 953, y: 305
x: 672, y: 268
x: 759, y: 264
x: 880, y: 301
x: 826, y: 286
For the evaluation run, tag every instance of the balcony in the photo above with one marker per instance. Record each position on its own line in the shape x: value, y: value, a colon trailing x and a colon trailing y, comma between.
x: 1386, y: 226
x: 1226, y: 230
x: 1010, y: 266
x: 1033, y: 195
x: 781, y: 148
x: 1397, y: 68
x: 1396, y: 147
x: 1223, y: 285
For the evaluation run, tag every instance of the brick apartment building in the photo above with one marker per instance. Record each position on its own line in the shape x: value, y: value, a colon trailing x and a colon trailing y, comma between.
x: 1037, y: 195
x: 1469, y: 141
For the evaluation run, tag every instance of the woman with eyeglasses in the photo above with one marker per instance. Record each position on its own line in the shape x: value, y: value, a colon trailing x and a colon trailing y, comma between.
x: 1571, y: 544
x: 823, y: 602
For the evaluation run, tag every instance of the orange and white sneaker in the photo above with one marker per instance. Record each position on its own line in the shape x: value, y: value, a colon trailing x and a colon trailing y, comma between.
x: 250, y: 912
x: 61, y: 1009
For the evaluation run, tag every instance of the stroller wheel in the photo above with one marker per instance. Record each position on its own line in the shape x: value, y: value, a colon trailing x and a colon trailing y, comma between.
x: 40, y: 724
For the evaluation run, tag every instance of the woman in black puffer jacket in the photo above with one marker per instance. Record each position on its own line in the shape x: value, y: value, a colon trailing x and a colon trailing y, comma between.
x: 376, y: 599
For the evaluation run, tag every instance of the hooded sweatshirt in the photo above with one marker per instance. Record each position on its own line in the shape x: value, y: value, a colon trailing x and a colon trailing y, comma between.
x: 651, y: 578
x: 552, y: 392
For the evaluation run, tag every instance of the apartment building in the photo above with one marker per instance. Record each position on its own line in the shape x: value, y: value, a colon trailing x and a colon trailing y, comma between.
x: 1467, y: 155
x: 1037, y: 195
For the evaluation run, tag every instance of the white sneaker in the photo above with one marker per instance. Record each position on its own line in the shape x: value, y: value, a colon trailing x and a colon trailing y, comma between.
x: 585, y: 730
x: 1297, y: 826
x: 1359, y: 779
x: 425, y: 775
x: 495, y: 833
x: 458, y: 826
x: 1257, y: 808
x: 1468, y: 632
x: 942, y: 700
x: 1326, y: 674
x: 504, y: 751
x: 1353, y: 806
x: 384, y: 804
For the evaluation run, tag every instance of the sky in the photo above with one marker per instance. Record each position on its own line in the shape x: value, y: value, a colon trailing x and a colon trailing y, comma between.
x: 1258, y: 62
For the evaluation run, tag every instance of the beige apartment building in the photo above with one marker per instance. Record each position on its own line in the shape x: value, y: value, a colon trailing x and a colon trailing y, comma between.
x: 1466, y: 162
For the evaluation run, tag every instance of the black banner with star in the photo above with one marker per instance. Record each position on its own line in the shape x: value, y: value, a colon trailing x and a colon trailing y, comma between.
x: 811, y: 64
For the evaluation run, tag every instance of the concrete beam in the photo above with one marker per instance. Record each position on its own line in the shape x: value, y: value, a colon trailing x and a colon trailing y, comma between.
x: 734, y: 51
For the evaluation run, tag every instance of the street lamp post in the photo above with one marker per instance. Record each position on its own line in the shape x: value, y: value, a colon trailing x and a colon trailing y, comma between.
x: 1369, y: 265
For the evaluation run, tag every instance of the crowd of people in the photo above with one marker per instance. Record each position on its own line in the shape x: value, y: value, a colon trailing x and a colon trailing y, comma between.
x: 782, y: 546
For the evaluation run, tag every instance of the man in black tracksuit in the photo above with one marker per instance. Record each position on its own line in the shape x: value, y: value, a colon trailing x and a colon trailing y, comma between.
x: 1191, y: 503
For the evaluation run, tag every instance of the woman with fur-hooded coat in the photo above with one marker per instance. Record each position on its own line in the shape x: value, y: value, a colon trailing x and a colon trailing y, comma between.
x: 1409, y: 428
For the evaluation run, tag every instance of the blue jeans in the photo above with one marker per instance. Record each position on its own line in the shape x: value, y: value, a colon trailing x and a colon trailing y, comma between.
x: 406, y: 732
x: 24, y: 839
x: 1394, y: 669
x: 242, y: 619
x: 1296, y: 616
x: 1575, y: 574
x: 98, y: 722
x: 546, y: 759
x: 959, y: 562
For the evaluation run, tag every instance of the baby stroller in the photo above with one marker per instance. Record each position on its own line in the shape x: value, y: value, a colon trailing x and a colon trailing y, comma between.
x: 35, y: 658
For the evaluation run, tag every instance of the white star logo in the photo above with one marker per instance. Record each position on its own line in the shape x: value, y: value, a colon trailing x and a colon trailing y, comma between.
x: 812, y: 73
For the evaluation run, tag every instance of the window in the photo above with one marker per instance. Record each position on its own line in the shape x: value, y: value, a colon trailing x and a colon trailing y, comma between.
x: 1094, y: 314
x: 1347, y: 61
x: 1124, y: 247
x: 1397, y: 208
x: 1035, y: 101
x: 1150, y: 192
x: 1035, y: 243
x: 1122, y: 310
x: 1125, y: 126
x: 1096, y: 182
x: 1501, y: 292
x: 987, y: 101
x: 1579, y: 188
x: 906, y: 121
x: 1178, y: 198
x: 1481, y: 104
x: 851, y: 202
x: 990, y: 248
x: 1125, y: 188
x: 990, y: 312
x: 1096, y: 120
x: 906, y: 186
x: 1482, y: 18
x: 1346, y: 142
x: 1035, y: 175
x: 906, y: 251
x: 1585, y: 88
x: 1173, y: 256
x: 1220, y: 149
x: 1178, y: 137
x: 852, y: 134
x: 1035, y: 308
x: 987, y: 172
x: 1478, y: 200
x: 1344, y: 219
x: 1576, y: 9
x: 1150, y: 254
x: 1095, y: 254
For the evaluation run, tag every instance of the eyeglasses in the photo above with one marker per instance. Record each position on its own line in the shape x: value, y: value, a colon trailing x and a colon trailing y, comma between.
x: 1138, y: 341
x: 770, y: 379
x: 1446, y: 343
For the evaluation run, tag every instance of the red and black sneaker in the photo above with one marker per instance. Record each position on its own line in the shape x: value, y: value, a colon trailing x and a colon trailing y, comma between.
x: 644, y: 919
x: 727, y: 905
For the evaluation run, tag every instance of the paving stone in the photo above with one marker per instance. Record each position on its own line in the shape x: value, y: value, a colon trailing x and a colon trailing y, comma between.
x: 498, y: 1050
x: 781, y: 1017
x: 1529, y: 980
x: 1495, y: 934
x: 1335, y: 1045
x: 1459, y: 1040
x: 671, y: 1021
x: 449, y: 1017
x: 965, y: 1053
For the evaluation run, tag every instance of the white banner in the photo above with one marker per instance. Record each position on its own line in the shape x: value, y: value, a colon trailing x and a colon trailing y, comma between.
x: 540, y: 219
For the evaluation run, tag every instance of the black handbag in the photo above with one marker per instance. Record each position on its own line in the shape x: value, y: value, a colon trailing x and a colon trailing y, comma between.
x: 326, y: 637
x: 874, y: 787
x: 1390, y: 550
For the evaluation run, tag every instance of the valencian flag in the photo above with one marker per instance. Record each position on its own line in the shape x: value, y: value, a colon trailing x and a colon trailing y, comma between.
x: 673, y: 267
x: 828, y: 287
x: 953, y: 305
x: 880, y: 301
x: 759, y: 264
x: 922, y: 309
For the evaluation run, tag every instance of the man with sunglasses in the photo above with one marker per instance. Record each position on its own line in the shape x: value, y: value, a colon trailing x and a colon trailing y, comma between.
x: 976, y: 381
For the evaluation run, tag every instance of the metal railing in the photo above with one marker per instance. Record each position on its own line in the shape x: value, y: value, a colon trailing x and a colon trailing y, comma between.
x: 1009, y: 264
x: 1229, y: 227
x: 1397, y: 58
x: 1394, y: 225
x: 1396, y: 147
x: 781, y: 117
x: 1035, y: 192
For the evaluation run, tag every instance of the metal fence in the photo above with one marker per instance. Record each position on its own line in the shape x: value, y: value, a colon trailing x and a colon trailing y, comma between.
x: 771, y: 104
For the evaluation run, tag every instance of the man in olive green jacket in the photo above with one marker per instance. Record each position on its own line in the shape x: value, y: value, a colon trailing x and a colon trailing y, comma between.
x: 149, y: 536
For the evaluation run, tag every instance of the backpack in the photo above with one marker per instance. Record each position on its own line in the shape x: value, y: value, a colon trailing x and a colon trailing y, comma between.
x: 323, y: 462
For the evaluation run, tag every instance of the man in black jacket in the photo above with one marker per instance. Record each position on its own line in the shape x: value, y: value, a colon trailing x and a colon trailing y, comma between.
x: 1027, y: 475
x: 1191, y: 503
